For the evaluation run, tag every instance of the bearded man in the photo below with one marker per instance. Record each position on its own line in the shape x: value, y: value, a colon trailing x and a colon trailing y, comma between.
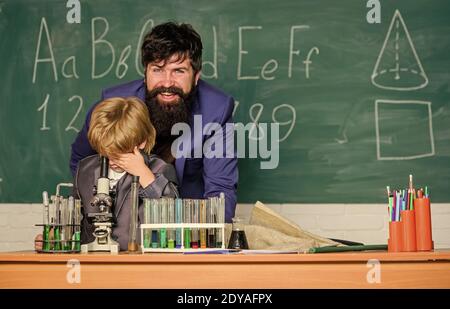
x: 174, y: 93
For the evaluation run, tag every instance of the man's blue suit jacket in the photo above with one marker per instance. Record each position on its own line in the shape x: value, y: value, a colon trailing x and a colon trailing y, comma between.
x: 198, y: 177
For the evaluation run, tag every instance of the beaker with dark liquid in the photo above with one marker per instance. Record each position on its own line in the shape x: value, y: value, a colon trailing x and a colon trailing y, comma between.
x: 238, y: 240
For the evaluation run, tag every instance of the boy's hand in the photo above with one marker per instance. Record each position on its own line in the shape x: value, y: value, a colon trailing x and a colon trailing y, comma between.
x: 134, y: 164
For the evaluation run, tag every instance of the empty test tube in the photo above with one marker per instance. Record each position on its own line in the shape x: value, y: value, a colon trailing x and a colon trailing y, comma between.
x: 220, y: 218
x: 147, y: 232
x: 178, y: 219
x: 132, y: 239
x: 202, y: 220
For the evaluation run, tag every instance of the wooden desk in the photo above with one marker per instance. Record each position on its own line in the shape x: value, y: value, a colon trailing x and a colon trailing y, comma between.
x: 330, y: 270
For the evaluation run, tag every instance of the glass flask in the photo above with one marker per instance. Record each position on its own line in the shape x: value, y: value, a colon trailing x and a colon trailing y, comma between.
x: 238, y: 240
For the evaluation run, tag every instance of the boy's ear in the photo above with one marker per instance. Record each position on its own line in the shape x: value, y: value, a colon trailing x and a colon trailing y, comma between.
x: 142, y: 145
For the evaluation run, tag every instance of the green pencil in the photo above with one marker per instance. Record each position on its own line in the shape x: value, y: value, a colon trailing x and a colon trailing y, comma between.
x: 330, y: 249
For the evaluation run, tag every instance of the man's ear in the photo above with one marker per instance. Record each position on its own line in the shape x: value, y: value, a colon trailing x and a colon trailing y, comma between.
x: 197, y: 77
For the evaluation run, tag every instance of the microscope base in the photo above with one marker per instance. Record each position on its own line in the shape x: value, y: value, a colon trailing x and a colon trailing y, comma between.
x: 112, y: 247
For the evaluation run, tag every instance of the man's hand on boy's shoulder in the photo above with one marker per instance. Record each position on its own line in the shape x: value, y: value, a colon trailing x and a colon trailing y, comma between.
x: 134, y: 164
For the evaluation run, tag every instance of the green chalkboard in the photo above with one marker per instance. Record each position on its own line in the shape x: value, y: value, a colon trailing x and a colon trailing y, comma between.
x: 360, y: 105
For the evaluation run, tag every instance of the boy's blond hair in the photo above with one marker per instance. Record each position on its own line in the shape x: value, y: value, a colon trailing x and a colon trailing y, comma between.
x: 120, y: 124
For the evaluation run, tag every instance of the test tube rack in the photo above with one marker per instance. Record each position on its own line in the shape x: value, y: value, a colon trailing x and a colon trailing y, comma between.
x: 182, y: 226
x: 61, y: 226
x: 59, y: 245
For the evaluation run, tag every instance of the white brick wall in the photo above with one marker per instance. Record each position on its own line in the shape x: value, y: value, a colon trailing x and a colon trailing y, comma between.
x: 365, y: 223
x: 17, y: 228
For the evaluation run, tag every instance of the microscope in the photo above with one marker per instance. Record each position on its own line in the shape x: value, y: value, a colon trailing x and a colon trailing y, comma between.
x: 103, y: 220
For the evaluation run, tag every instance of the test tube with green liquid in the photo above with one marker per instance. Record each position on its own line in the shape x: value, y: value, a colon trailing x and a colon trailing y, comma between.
x: 63, y: 222
x: 56, y: 233
x: 45, y: 221
x: 187, y: 219
x: 69, y: 223
x: 154, y: 217
x: 77, y: 227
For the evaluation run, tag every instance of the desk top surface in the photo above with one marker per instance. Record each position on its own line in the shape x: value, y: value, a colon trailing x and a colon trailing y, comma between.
x: 33, y: 257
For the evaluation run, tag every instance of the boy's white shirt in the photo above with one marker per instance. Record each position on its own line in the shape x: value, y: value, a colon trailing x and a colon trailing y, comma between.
x: 114, y: 177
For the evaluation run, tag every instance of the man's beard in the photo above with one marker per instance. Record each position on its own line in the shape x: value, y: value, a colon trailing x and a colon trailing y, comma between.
x: 165, y: 115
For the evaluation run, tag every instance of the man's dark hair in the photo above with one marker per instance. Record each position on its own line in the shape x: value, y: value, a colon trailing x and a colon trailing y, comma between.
x: 169, y: 39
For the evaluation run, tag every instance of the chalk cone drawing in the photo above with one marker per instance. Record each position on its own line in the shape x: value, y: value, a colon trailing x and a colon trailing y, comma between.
x: 398, y: 66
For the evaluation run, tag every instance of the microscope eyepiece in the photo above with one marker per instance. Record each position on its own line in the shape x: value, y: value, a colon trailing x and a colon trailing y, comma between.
x: 104, y: 165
